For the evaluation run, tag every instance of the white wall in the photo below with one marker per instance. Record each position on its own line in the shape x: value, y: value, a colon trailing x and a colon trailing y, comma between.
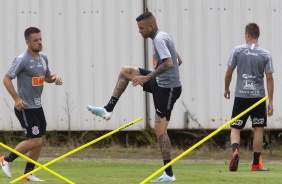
x: 88, y: 41
x: 205, y: 32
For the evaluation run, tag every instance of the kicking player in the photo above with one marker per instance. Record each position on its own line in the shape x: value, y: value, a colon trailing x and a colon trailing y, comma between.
x: 164, y: 83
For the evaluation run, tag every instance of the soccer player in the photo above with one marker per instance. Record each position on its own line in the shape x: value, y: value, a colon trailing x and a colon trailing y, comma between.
x: 253, y: 63
x: 164, y: 84
x: 31, y: 69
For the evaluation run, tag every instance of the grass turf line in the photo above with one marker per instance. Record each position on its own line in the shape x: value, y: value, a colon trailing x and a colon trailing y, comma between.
x: 106, y: 171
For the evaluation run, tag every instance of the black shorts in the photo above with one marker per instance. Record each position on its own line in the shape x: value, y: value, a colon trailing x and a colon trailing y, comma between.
x: 164, y: 98
x: 33, y: 120
x: 258, y: 114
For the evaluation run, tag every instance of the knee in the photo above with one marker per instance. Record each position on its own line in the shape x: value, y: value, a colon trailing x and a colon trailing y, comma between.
x: 37, y: 142
x: 125, y: 70
x: 42, y: 141
x: 157, y: 133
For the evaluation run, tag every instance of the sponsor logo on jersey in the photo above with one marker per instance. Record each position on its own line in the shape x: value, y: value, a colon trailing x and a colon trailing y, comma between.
x: 252, y: 93
x: 249, y: 85
x: 39, y: 65
x: 37, y: 101
x: 248, y: 52
x: 38, y: 81
x: 35, y: 130
x: 247, y: 76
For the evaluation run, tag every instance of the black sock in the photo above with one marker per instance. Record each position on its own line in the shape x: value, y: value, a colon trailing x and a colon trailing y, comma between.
x: 235, y: 146
x: 256, y: 157
x: 168, y: 170
x: 29, y: 167
x: 11, y: 157
x: 111, y: 105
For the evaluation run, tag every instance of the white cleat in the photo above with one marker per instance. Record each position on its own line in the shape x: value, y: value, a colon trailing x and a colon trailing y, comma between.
x: 31, y: 177
x: 100, y: 111
x: 6, y: 167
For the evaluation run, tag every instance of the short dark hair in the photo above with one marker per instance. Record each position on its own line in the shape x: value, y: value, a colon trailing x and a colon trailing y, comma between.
x: 30, y: 31
x: 253, y: 30
x: 144, y: 15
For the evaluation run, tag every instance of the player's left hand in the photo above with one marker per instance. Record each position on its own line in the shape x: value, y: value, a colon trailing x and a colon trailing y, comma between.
x: 140, y: 79
x: 270, y: 109
x: 227, y: 94
x: 57, y: 79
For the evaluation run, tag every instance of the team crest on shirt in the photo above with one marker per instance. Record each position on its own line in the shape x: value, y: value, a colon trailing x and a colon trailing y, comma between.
x: 44, y: 64
x: 35, y: 130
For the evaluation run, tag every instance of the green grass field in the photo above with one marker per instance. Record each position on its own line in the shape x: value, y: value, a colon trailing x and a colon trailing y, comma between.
x: 127, y: 171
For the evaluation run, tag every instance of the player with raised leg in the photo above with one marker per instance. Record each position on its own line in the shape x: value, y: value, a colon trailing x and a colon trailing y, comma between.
x: 164, y: 84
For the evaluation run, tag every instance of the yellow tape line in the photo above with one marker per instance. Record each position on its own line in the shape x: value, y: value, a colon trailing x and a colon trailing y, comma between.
x: 36, y: 163
x: 203, y: 140
x: 79, y: 148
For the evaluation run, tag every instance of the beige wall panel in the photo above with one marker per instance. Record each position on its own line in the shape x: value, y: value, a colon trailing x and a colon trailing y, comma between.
x: 205, y: 32
x: 87, y: 42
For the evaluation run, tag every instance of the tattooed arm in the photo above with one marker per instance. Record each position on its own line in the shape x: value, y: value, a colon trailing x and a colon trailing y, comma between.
x: 166, y: 65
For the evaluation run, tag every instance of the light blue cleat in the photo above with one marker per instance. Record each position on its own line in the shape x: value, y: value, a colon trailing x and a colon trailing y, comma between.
x: 164, y: 178
x: 100, y: 111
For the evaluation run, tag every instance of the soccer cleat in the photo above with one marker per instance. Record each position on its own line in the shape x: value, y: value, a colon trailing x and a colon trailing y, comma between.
x: 259, y: 166
x: 164, y: 178
x: 233, y: 166
x: 6, y: 167
x: 31, y: 177
x: 100, y: 111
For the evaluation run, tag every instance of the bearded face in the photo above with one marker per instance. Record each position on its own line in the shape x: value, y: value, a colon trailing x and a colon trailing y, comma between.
x: 34, y: 42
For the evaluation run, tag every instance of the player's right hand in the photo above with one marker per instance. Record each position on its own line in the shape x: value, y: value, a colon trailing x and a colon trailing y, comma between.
x: 20, y: 104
